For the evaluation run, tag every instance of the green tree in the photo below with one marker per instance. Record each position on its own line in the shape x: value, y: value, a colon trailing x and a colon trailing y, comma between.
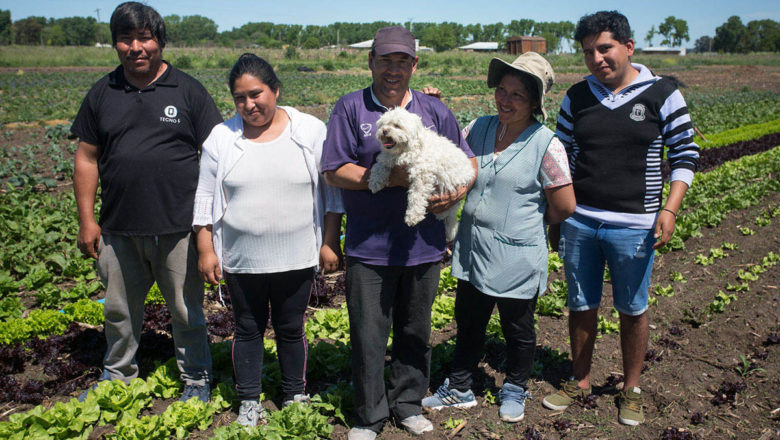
x: 731, y: 36
x: 440, y: 37
x: 650, y: 35
x: 78, y: 31
x: 54, y: 35
x: 763, y: 35
x: 196, y: 29
x: 29, y: 30
x: 5, y: 26
x: 703, y: 44
x: 172, y: 23
x: 517, y: 28
x: 311, y: 42
x: 474, y: 32
x: 674, y: 31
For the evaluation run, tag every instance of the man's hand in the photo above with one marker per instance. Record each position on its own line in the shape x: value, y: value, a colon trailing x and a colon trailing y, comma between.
x: 441, y: 202
x: 208, y: 266
x: 398, y: 177
x: 330, y: 258
x: 89, y: 239
x: 432, y: 91
x: 664, y: 228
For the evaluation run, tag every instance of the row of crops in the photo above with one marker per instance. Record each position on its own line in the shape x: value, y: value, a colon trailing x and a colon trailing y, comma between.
x: 38, y: 96
x: 42, y: 263
x: 49, y: 310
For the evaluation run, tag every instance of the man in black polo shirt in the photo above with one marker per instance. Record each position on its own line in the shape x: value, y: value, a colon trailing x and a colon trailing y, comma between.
x: 139, y: 131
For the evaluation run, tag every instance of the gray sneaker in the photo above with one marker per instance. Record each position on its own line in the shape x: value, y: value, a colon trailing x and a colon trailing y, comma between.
x: 512, y: 399
x: 417, y: 425
x: 445, y: 397
x: 357, y: 433
x: 298, y: 398
x: 250, y: 413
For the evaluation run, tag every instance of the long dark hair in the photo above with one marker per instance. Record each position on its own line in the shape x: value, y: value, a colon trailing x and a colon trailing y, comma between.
x: 251, y: 64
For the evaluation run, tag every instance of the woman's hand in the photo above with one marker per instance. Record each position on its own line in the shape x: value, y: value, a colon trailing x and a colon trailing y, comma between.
x: 208, y: 266
x: 432, y: 91
x: 330, y: 258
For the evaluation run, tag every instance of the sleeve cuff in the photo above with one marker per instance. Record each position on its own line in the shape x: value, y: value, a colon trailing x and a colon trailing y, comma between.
x: 683, y: 175
x: 202, y: 212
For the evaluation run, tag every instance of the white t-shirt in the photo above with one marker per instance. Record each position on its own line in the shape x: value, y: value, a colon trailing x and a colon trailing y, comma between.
x: 268, y: 219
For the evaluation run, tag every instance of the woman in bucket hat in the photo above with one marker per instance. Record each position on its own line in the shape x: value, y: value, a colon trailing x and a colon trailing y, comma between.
x: 500, y: 254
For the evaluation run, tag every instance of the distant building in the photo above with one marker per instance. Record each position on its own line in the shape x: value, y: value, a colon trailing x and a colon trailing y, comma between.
x: 481, y: 46
x: 664, y: 51
x: 525, y: 43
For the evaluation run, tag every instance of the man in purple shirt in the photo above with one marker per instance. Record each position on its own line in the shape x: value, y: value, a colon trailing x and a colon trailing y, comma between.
x: 392, y: 270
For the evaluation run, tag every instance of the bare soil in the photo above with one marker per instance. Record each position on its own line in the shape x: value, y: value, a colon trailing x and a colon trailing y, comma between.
x: 690, y: 355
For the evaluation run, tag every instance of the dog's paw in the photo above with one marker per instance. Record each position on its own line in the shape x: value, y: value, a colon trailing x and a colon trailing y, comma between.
x: 375, y: 187
x: 412, y: 219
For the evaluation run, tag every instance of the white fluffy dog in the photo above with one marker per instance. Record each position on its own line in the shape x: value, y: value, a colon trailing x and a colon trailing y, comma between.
x: 434, y: 164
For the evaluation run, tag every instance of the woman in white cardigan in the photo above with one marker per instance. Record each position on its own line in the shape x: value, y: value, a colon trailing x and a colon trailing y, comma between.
x: 260, y: 217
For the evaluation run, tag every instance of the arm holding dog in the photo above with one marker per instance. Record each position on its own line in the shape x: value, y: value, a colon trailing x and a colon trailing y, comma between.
x: 441, y: 202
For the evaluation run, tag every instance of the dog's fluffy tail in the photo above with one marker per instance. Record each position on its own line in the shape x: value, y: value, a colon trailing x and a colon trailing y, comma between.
x: 450, y: 218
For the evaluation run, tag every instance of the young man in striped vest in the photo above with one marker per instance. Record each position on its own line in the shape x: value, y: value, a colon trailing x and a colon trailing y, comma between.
x: 614, y: 125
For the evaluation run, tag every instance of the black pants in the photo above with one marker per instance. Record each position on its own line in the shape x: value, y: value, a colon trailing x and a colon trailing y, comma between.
x: 378, y: 297
x: 472, y: 313
x: 288, y: 294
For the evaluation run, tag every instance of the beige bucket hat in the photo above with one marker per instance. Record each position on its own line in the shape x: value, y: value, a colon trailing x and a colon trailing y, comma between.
x: 531, y: 63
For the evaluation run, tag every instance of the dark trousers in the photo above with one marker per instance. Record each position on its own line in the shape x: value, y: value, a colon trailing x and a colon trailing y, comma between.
x: 378, y: 297
x: 472, y: 313
x: 288, y: 294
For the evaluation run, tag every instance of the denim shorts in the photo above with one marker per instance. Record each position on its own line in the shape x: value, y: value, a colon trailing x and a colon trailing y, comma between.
x: 587, y: 244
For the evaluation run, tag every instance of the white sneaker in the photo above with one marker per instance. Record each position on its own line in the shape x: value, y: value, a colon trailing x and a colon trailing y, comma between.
x: 250, y: 413
x: 417, y: 425
x: 361, y: 434
x: 302, y: 398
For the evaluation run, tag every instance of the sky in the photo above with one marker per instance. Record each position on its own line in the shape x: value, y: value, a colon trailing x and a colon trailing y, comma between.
x: 702, y: 16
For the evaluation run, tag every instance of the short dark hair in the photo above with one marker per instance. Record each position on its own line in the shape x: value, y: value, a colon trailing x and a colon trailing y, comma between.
x: 251, y: 64
x: 131, y: 16
x: 603, y: 21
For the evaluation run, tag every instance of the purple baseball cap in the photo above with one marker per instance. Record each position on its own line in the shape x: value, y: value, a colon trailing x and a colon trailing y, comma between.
x: 393, y: 39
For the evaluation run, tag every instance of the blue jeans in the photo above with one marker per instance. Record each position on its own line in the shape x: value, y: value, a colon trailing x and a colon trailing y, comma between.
x: 587, y: 244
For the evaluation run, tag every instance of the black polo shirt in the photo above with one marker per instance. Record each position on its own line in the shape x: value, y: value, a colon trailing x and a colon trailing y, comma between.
x: 148, y: 144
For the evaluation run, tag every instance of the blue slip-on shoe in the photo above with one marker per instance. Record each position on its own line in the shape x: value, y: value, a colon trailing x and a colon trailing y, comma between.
x: 512, y: 399
x: 191, y: 390
x: 103, y: 376
x: 445, y: 397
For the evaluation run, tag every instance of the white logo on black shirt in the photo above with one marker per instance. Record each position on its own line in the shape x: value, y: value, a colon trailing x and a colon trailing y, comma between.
x: 170, y: 115
x: 366, y: 128
x: 638, y: 113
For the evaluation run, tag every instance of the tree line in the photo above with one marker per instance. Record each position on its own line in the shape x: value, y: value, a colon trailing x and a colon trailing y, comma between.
x: 196, y: 30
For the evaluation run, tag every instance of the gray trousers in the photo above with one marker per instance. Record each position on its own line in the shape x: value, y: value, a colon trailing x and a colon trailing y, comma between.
x: 128, y: 267
x: 378, y: 297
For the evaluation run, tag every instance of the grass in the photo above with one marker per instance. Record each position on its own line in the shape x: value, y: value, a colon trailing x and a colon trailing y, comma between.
x: 445, y: 63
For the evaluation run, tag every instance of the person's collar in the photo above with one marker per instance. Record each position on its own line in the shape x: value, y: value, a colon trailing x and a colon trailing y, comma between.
x: 644, y: 76
x: 376, y: 100
x: 167, y: 79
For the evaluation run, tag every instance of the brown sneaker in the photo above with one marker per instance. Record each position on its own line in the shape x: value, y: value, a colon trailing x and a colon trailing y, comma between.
x: 565, y: 396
